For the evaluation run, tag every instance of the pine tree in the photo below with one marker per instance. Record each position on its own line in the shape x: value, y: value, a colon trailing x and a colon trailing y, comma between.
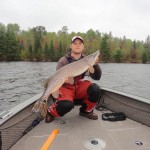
x: 37, y: 48
x: 2, y: 42
x: 134, y: 52
x: 27, y: 45
x: 105, y: 48
x: 47, y: 54
x: 118, y: 56
x: 52, y: 51
x: 147, y: 47
x: 30, y: 52
x: 12, y: 46
x: 60, y: 49
x: 38, y: 33
x: 144, y: 57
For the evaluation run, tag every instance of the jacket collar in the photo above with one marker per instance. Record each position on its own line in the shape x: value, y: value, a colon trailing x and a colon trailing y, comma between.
x: 68, y: 55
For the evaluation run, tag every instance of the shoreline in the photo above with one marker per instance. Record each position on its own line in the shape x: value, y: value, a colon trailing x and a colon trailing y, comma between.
x: 101, y: 62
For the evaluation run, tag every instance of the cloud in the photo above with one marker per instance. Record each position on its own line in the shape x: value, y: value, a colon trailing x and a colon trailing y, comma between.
x: 122, y: 17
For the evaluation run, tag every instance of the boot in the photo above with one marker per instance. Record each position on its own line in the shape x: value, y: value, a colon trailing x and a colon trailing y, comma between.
x: 89, y: 115
x: 49, y: 118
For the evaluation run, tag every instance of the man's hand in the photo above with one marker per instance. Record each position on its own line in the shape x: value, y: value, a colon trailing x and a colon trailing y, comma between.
x: 69, y: 80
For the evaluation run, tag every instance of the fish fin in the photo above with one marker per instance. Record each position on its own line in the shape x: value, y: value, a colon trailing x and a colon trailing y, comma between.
x: 56, y: 94
x: 40, y: 106
x: 45, y: 83
x: 35, y: 108
x: 91, y: 69
x: 43, y: 108
x: 71, y: 80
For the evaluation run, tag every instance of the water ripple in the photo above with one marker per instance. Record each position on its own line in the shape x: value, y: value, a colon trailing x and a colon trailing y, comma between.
x: 22, y: 80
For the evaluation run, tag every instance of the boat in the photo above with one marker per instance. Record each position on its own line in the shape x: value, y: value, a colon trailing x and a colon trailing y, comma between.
x: 22, y: 130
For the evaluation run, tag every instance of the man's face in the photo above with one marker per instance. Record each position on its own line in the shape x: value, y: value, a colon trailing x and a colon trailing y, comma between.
x: 77, y: 46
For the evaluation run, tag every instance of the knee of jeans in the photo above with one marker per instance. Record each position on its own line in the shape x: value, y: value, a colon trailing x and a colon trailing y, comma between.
x: 64, y: 106
x: 93, y: 92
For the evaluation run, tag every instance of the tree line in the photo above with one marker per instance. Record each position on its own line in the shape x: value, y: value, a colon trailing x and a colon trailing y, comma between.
x: 36, y: 44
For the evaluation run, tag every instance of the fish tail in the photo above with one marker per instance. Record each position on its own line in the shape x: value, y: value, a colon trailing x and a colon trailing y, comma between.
x: 40, y: 106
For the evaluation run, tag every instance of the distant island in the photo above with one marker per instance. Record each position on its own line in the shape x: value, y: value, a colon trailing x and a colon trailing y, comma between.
x: 37, y: 44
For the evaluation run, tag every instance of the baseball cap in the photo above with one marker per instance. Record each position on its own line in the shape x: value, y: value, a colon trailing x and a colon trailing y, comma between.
x: 76, y: 37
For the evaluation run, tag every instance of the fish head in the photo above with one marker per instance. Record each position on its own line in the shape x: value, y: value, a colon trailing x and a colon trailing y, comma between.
x: 90, y: 59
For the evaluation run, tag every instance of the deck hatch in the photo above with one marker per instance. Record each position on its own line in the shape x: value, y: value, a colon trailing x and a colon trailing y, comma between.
x: 94, y: 142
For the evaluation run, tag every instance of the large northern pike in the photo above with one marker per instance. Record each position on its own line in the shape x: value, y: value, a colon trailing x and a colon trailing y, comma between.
x: 60, y: 76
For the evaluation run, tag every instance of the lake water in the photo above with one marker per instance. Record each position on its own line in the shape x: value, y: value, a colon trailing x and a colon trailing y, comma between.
x: 22, y: 80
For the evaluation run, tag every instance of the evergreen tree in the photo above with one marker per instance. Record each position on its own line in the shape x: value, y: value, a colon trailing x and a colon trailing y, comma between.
x: 147, y: 47
x: 2, y: 42
x: 37, y: 48
x: 134, y: 52
x: 38, y: 33
x: 60, y: 49
x: 12, y: 46
x: 30, y: 52
x: 105, y: 48
x: 118, y: 56
x: 32, y: 45
x: 52, y: 51
x: 64, y: 29
x: 144, y: 57
x: 47, y: 54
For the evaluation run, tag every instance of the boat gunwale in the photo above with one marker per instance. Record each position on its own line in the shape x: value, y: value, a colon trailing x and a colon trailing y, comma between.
x: 16, y: 109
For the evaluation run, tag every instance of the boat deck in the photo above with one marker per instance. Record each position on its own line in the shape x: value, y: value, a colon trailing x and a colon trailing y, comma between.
x: 76, y: 133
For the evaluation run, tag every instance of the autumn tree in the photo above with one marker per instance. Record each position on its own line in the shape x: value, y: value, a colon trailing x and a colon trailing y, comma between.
x: 35, y: 44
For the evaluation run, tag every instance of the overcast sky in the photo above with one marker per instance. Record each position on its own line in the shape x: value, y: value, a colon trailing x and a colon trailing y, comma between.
x: 122, y: 17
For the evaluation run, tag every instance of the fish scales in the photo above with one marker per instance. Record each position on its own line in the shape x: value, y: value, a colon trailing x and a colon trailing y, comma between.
x: 70, y: 70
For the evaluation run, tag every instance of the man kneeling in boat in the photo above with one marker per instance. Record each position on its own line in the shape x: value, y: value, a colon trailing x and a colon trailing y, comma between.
x: 81, y: 90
